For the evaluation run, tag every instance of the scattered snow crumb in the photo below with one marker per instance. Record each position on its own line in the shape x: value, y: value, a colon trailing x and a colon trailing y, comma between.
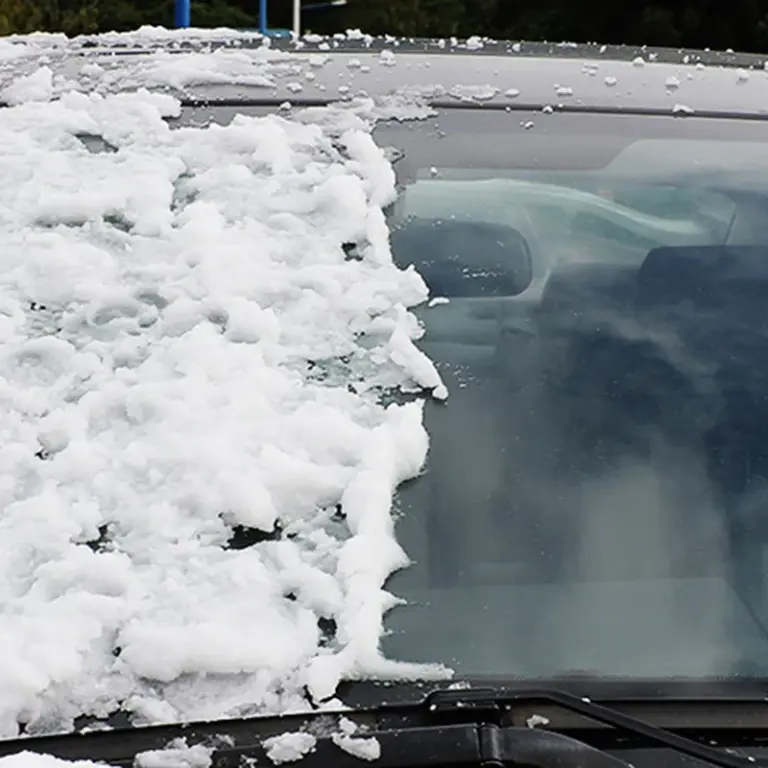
x: 686, y: 58
x: 438, y: 300
x: 516, y: 47
x: 603, y: 48
x: 433, y: 171
x: 699, y: 66
x: 294, y: 87
x: 564, y: 90
x: 742, y: 75
x: 536, y: 720
x: 672, y: 82
x: 289, y: 747
x: 682, y: 109
x: 547, y: 109
x: 474, y: 43
x: 387, y: 58
x: 354, y: 64
x: 528, y: 124
x: 638, y: 61
x: 512, y: 93
x: 610, y: 81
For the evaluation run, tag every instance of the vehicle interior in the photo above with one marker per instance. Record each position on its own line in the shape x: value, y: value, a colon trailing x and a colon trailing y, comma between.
x: 594, y: 492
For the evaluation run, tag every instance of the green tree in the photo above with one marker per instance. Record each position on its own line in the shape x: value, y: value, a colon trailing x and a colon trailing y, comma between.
x: 19, y: 17
x: 406, y: 18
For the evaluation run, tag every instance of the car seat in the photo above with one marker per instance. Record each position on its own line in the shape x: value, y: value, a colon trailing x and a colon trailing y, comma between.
x: 474, y: 265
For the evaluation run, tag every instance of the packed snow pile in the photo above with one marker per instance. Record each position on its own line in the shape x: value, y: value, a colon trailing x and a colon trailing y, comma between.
x: 35, y: 760
x: 176, y: 755
x: 196, y: 326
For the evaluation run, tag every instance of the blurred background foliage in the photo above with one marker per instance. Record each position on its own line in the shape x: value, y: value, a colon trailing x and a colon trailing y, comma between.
x: 737, y: 24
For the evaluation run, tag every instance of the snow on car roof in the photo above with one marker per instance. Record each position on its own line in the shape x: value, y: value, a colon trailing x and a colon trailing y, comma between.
x: 195, y: 325
x: 225, y: 66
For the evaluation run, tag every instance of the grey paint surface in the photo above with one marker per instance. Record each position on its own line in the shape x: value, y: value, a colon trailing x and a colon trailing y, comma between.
x: 559, y: 76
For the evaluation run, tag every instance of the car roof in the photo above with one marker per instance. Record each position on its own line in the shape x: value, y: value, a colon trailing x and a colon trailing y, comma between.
x: 474, y: 72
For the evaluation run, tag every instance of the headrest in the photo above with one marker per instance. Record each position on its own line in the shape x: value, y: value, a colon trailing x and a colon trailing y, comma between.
x: 718, y: 283
x: 466, y: 259
x: 588, y: 291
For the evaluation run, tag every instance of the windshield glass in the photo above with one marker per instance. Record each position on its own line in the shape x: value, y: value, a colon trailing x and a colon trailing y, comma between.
x: 593, y: 498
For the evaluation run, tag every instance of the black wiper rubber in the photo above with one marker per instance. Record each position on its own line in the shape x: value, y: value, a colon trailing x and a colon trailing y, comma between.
x: 479, y: 700
x: 449, y: 729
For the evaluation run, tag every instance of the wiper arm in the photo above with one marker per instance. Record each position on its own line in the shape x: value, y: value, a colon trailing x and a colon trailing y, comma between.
x: 448, y: 729
x: 479, y: 700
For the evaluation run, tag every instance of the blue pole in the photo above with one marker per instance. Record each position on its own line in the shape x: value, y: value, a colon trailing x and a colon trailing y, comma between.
x: 183, y: 13
x: 263, y: 17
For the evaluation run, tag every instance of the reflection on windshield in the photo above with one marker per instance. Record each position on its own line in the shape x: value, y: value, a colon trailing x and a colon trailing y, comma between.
x: 594, y: 496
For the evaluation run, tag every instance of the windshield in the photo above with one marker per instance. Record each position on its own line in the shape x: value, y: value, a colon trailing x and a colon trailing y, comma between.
x: 593, y: 498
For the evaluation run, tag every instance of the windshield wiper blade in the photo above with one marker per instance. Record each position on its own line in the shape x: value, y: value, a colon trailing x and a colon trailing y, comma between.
x: 449, y: 728
x: 479, y: 700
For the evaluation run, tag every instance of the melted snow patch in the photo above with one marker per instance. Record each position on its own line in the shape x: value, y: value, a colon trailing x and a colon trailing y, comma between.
x: 473, y: 92
x: 187, y: 349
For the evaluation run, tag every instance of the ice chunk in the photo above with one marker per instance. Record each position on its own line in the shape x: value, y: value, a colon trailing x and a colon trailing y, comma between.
x: 289, y: 747
x: 360, y: 747
x: 177, y: 755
